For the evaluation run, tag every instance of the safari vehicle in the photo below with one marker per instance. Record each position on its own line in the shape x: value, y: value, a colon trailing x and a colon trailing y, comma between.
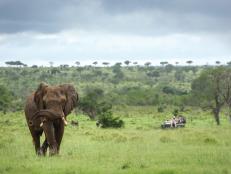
x: 180, y: 122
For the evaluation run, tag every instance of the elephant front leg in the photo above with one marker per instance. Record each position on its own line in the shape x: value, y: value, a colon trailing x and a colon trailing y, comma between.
x: 49, y: 131
x: 44, y: 147
x: 36, y: 140
x: 59, y: 130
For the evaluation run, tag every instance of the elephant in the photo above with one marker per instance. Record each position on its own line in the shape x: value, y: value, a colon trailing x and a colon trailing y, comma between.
x: 46, y: 110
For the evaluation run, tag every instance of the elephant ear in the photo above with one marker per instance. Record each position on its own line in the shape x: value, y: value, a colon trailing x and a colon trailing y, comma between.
x: 72, y: 98
x: 38, y: 96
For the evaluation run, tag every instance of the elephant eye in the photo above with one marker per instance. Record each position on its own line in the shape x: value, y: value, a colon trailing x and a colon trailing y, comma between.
x: 62, y: 92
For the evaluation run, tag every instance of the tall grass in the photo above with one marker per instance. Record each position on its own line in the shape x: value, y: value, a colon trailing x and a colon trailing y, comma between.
x: 140, y: 147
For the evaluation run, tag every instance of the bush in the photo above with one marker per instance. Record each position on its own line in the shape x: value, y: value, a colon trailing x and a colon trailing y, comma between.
x: 6, y: 99
x: 182, y: 108
x: 160, y: 109
x: 106, y: 120
x: 174, y: 91
x: 175, y: 112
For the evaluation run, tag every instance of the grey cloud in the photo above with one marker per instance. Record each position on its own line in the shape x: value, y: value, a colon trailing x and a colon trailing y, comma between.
x: 151, y: 17
x: 177, y: 15
x: 207, y: 7
x: 33, y: 15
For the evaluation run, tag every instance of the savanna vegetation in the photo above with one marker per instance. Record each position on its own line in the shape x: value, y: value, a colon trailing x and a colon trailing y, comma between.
x: 137, y: 98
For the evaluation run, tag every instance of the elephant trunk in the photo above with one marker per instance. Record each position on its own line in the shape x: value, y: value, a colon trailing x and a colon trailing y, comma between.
x: 47, y: 114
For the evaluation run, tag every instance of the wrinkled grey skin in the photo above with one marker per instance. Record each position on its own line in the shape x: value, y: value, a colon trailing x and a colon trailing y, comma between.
x: 46, y: 111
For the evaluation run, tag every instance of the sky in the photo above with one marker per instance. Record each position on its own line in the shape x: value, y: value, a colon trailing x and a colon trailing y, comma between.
x: 63, y: 32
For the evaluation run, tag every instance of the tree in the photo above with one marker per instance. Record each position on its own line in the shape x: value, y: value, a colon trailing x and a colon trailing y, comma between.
x: 77, y: 63
x: 106, y: 63
x: 147, y: 64
x: 179, y: 75
x: 118, y: 64
x: 92, y: 103
x: 15, y: 63
x: 229, y: 63
x: 51, y: 64
x: 169, y: 68
x: 153, y: 74
x: 226, y: 89
x: 119, y: 75
x: 54, y: 71
x: 95, y: 63
x: 206, y: 89
x: 6, y: 98
x: 34, y: 66
x: 189, y: 62
x: 64, y: 66
x: 163, y: 63
x: 218, y: 62
x: 127, y: 62
x: 135, y: 63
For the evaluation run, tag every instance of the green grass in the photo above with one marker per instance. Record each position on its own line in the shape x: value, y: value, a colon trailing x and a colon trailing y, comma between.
x: 140, y: 147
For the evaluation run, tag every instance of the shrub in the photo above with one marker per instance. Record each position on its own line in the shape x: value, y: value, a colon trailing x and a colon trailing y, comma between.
x: 160, y: 109
x: 175, y: 112
x: 182, y: 108
x: 106, y: 120
x: 6, y: 98
x: 174, y: 91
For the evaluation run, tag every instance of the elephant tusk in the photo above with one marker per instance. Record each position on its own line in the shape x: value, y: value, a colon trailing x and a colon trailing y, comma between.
x: 48, y: 115
x: 41, y: 124
x: 65, y: 121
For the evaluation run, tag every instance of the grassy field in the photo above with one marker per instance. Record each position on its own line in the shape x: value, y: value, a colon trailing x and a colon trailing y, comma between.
x: 140, y: 147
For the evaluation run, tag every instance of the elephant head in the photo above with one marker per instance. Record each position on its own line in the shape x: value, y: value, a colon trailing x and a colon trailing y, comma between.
x: 55, y: 102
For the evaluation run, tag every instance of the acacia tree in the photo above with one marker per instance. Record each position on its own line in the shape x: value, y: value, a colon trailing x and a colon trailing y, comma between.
x: 164, y: 63
x: 77, y: 63
x: 127, y: 62
x: 207, y: 89
x: 218, y: 62
x: 135, y: 63
x: 189, y: 62
x: 106, y: 63
x: 95, y: 63
x: 147, y: 64
x: 15, y: 63
x: 226, y: 90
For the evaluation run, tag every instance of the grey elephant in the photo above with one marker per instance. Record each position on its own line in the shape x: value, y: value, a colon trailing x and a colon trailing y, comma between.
x: 46, y: 110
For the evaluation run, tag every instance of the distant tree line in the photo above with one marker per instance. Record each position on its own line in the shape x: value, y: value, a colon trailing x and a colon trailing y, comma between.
x: 207, y: 87
x: 95, y: 63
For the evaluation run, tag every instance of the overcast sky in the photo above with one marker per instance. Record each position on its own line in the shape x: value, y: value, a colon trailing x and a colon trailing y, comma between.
x: 66, y: 31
